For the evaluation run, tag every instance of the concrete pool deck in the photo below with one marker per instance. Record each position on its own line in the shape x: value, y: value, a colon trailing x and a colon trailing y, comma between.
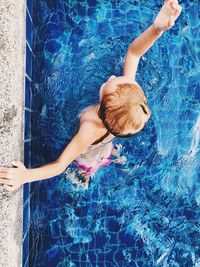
x: 12, y: 69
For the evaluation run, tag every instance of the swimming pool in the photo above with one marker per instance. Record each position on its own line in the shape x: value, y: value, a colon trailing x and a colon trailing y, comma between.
x: 144, y: 212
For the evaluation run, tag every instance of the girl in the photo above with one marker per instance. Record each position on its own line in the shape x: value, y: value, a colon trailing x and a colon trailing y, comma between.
x: 123, y: 111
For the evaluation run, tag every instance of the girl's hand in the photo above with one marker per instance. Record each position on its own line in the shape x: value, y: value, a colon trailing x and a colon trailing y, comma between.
x: 167, y: 15
x: 13, y: 178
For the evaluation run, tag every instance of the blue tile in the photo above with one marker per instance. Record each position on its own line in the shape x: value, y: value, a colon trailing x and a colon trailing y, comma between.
x: 197, y: 92
x: 26, y: 250
x: 52, y: 46
x: 28, y: 29
x: 37, y: 102
x: 26, y: 222
x: 27, y: 153
x: 36, y: 153
x: 27, y: 128
x: 35, y: 131
x: 26, y: 193
x: 34, y: 62
x: 27, y: 93
x: 26, y: 214
x: 92, y: 3
x: 28, y: 61
x: 29, y: 6
x: 82, y: 11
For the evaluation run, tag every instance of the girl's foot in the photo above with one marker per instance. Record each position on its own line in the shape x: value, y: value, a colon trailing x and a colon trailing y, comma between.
x: 116, y: 150
x: 116, y: 153
x: 86, y: 178
x: 71, y: 174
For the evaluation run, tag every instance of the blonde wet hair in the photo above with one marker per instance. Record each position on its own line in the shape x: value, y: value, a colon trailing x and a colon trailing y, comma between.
x: 122, y: 109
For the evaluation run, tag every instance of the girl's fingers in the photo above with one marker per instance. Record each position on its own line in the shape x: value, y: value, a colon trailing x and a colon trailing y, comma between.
x: 3, y: 175
x: 173, y: 1
x: 6, y: 181
x: 177, y: 12
x: 18, y: 164
x: 7, y: 175
x: 9, y: 188
x: 3, y: 181
x: 177, y: 9
x: 175, y: 6
x: 7, y: 170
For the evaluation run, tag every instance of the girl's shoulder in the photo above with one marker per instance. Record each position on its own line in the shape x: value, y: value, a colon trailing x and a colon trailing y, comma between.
x: 90, y: 114
x: 88, y: 111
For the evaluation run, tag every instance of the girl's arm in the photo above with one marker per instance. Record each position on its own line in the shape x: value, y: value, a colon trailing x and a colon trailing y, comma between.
x: 85, y: 136
x: 137, y: 48
x: 163, y: 21
x: 13, y: 178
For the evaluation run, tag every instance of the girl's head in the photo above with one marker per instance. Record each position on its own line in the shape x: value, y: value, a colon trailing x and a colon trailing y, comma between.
x: 123, y: 106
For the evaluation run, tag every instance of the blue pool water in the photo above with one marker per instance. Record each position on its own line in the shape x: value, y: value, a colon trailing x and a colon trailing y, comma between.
x: 144, y: 211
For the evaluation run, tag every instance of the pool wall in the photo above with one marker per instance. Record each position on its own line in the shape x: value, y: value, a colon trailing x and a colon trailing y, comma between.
x: 27, y: 133
x: 12, y: 62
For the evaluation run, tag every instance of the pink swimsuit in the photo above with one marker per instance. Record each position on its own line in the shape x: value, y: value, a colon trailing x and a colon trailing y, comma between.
x: 95, y: 157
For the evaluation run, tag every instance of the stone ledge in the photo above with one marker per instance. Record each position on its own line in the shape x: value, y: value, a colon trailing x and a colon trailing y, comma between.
x: 12, y: 68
